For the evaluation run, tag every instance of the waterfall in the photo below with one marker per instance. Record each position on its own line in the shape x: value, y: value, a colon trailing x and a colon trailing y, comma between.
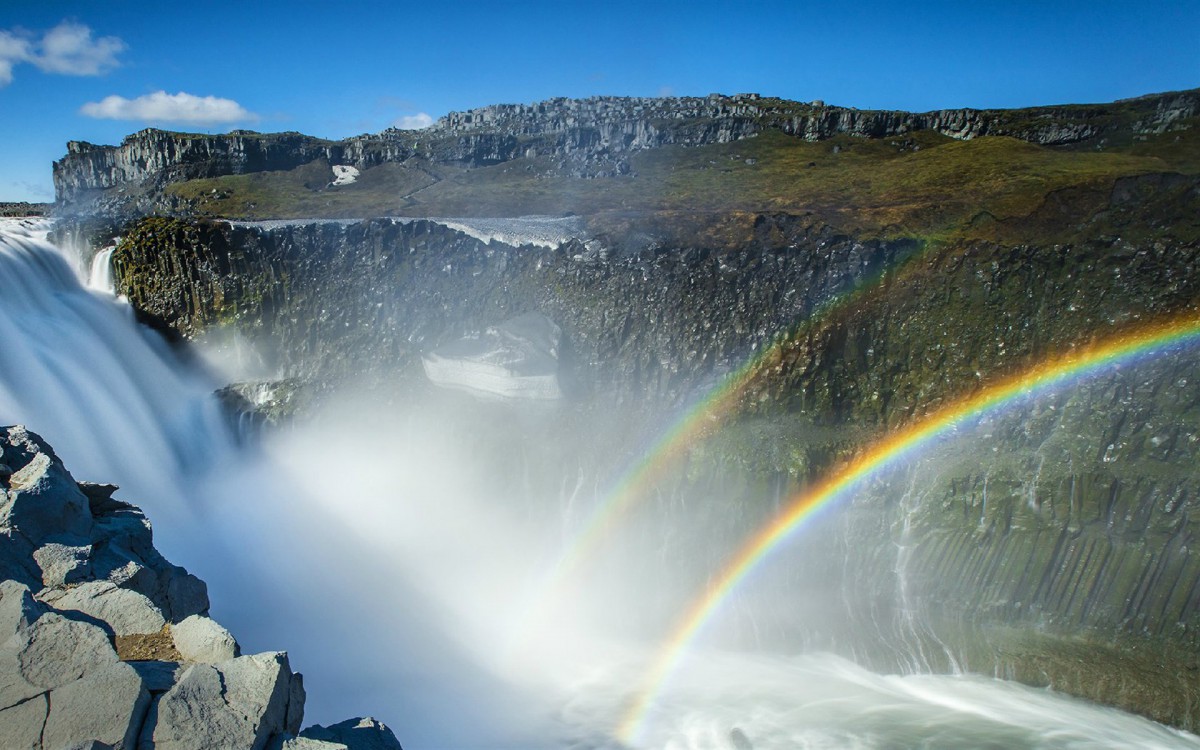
x: 383, y: 551
x: 110, y: 395
x: 101, y: 278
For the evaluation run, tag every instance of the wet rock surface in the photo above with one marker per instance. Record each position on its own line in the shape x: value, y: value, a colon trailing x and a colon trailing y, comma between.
x: 68, y: 610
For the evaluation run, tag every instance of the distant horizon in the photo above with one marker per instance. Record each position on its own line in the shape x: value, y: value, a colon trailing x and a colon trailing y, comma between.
x: 79, y: 71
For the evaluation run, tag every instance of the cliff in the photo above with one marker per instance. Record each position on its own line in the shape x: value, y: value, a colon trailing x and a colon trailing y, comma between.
x: 854, y: 271
x: 588, y: 138
x: 844, y: 337
x: 106, y: 644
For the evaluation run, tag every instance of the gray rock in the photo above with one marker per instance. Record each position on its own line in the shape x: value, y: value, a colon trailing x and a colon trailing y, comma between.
x: 364, y: 733
x: 49, y: 653
x: 21, y: 725
x: 127, y: 612
x: 295, y: 707
x: 187, y: 595
x: 202, y: 639
x: 42, y: 498
x: 63, y: 563
x: 106, y: 706
x: 240, y: 703
x: 18, y: 608
x: 159, y: 676
x: 16, y: 560
x: 286, y: 742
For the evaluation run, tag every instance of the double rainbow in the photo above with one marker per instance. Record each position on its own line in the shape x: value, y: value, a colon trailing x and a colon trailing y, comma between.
x: 1141, y: 343
x: 686, y: 431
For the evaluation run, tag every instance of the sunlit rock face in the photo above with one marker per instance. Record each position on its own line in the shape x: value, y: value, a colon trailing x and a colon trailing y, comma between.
x: 593, y: 136
x: 516, y: 359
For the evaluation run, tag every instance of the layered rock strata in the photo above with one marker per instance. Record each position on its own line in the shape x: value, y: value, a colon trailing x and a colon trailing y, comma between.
x: 104, y: 643
x: 594, y: 137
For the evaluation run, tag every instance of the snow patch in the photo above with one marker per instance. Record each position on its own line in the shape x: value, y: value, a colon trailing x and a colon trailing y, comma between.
x: 541, y: 231
x: 344, y: 174
x: 517, y: 359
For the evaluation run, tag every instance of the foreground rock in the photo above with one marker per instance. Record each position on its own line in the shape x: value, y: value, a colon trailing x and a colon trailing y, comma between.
x: 103, y: 643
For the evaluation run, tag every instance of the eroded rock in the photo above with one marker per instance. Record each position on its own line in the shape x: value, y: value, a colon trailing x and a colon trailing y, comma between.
x: 201, y: 639
x: 106, y: 706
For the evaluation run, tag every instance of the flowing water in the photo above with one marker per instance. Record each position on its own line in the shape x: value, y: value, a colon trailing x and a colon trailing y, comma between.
x: 392, y: 549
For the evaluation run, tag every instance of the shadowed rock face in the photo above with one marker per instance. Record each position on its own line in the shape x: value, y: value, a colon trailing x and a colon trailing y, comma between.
x: 1078, y: 548
x: 104, y: 641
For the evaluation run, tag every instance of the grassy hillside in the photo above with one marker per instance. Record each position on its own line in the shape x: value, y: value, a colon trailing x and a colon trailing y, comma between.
x: 924, y: 185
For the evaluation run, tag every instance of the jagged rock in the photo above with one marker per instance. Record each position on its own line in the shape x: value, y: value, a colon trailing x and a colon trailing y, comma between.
x: 21, y: 725
x: 42, y: 497
x: 239, y: 703
x: 128, y: 612
x: 106, y: 706
x: 100, y: 498
x: 187, y: 595
x: 364, y: 733
x: 201, y: 639
x: 295, y: 706
x: 62, y: 684
x: 590, y: 138
x: 63, y: 563
x: 284, y: 742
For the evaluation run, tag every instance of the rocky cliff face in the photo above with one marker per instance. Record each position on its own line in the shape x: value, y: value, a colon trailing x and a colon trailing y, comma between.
x: 1073, y: 536
x: 591, y: 138
x: 103, y: 643
x: 328, y: 300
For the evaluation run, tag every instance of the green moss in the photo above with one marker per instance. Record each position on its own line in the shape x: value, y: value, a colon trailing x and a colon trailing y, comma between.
x: 921, y: 185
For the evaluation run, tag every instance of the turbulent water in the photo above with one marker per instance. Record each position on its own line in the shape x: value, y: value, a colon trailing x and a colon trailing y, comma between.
x: 391, y: 549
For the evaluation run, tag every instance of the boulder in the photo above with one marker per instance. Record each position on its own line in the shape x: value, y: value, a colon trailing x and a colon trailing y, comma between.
x: 106, y: 706
x: 239, y: 703
x: 48, y: 653
x: 63, y: 563
x: 127, y: 612
x: 21, y: 725
x: 42, y: 497
x: 364, y: 733
x: 287, y: 742
x: 18, y: 609
x: 201, y: 639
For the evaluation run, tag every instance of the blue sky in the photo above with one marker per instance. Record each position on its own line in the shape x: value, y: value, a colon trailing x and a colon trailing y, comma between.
x: 340, y: 68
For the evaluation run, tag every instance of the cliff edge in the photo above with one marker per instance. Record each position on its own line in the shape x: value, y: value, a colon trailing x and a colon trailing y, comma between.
x: 106, y: 644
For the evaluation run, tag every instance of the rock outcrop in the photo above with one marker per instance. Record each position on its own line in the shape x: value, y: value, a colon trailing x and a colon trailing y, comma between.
x: 589, y: 138
x: 103, y: 643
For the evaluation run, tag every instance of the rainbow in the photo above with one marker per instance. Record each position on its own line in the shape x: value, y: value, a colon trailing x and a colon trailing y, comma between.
x: 717, y: 405
x: 1143, y: 342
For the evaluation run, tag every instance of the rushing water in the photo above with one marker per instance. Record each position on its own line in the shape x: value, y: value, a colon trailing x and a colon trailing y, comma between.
x: 384, y: 550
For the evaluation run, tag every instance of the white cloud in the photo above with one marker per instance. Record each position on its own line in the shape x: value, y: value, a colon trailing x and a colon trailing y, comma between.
x: 419, y: 121
x: 163, y: 107
x: 13, y: 50
x: 69, y: 49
